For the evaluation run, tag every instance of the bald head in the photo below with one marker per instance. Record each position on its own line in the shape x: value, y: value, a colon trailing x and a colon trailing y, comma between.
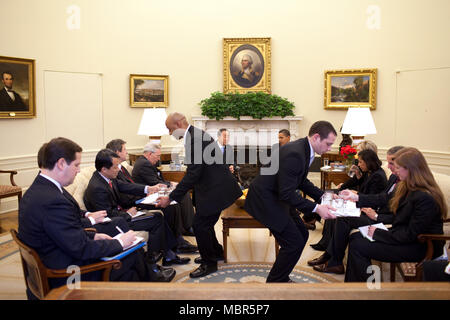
x: 177, y: 124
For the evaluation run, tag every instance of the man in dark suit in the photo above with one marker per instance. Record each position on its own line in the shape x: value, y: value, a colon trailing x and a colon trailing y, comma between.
x: 102, y: 193
x: 273, y: 192
x: 49, y: 221
x: 149, y: 176
x: 375, y: 208
x: 145, y: 171
x: 214, y: 188
x: 9, y: 99
x: 223, y: 136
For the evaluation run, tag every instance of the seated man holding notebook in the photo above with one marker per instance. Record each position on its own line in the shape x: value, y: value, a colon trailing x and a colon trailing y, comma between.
x: 49, y: 222
x: 102, y: 193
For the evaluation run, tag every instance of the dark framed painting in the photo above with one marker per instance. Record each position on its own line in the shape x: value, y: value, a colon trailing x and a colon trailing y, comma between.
x: 149, y: 91
x: 17, y: 90
x: 246, y: 65
x: 350, y: 88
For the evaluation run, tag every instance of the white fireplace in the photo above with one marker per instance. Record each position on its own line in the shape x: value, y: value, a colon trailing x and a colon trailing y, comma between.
x: 248, y: 131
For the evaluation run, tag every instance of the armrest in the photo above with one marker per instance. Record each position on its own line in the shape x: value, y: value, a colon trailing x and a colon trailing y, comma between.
x: 429, y: 239
x: 103, y: 265
x: 11, y: 175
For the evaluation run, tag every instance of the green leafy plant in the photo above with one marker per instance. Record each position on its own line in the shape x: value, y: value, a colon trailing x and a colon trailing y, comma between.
x: 254, y: 104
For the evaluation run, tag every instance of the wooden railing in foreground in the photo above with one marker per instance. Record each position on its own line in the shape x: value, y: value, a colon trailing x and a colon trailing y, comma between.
x: 252, y: 291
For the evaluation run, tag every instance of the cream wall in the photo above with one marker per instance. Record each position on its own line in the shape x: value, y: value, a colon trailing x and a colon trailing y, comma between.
x: 183, y: 39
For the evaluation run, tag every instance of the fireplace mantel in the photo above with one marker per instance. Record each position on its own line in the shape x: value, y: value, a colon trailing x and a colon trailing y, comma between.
x: 253, y: 131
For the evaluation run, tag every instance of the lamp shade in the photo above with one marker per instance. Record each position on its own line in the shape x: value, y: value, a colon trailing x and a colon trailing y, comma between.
x: 153, y: 123
x: 358, y: 122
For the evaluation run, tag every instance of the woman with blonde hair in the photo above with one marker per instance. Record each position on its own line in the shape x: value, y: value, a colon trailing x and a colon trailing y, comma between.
x: 419, y: 207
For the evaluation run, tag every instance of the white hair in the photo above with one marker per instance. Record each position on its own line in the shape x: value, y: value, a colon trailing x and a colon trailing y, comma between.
x: 248, y: 58
x: 151, y: 147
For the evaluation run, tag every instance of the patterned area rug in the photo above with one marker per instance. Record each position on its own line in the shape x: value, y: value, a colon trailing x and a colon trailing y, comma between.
x: 253, y: 272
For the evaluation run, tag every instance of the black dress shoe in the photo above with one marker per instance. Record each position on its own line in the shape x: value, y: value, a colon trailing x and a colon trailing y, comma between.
x: 176, y: 260
x: 199, y: 260
x: 203, y: 270
x: 320, y: 260
x: 153, y: 257
x: 161, y: 274
x: 187, y: 248
x: 318, y: 247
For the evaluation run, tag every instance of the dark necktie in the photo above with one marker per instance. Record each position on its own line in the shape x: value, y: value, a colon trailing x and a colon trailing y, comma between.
x: 127, y: 175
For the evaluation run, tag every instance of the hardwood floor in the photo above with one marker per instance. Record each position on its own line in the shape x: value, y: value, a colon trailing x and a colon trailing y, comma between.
x: 8, y: 221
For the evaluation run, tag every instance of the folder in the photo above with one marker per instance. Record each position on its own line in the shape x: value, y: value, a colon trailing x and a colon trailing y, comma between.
x: 138, y: 243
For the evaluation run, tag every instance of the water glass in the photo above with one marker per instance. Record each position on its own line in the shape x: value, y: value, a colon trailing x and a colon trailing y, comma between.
x: 326, y: 162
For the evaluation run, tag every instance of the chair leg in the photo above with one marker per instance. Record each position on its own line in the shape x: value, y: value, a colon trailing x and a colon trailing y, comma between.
x: 392, y: 270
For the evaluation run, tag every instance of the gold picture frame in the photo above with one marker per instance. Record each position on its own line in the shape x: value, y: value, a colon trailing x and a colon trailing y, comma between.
x: 18, y: 90
x: 256, y: 54
x: 350, y: 88
x: 149, y: 91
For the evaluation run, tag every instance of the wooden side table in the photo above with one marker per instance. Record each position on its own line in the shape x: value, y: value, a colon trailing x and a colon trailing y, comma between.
x: 328, y: 177
x: 336, y: 177
x: 172, y: 175
x: 235, y: 217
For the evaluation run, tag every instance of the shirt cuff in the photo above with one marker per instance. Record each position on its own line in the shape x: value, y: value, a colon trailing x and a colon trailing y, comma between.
x: 146, y: 189
x: 92, y: 220
x: 315, y: 208
x: 120, y: 241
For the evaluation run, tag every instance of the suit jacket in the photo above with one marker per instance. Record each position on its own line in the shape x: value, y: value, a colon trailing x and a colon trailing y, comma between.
x: 7, y: 104
x: 214, y: 186
x: 99, y: 195
x: 50, y: 223
x: 270, y: 196
x: 146, y: 173
x: 127, y: 200
x: 368, y: 184
x: 417, y: 213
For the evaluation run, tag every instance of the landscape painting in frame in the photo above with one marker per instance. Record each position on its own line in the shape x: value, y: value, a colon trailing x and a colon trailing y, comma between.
x: 350, y: 88
x: 149, y: 91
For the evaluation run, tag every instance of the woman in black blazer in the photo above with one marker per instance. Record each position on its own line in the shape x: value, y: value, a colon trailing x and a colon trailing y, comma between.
x: 372, y: 181
x: 419, y: 207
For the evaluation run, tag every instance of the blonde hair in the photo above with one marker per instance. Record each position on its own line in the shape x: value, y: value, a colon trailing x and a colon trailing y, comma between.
x: 367, y: 144
x: 419, y: 178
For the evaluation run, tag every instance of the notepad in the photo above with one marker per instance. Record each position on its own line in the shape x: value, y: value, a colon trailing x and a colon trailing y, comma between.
x: 141, y: 215
x: 365, y: 230
x: 151, y: 199
x: 137, y: 243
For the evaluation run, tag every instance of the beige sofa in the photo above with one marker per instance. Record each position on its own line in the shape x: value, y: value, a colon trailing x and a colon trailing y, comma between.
x: 79, y: 185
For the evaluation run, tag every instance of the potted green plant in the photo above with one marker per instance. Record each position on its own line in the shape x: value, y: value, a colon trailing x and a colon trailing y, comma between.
x: 257, y: 105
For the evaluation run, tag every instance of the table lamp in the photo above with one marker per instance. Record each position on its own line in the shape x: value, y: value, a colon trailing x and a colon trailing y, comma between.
x: 153, y: 124
x: 358, y: 123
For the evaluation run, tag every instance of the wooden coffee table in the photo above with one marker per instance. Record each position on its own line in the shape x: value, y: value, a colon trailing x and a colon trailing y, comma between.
x: 236, y: 217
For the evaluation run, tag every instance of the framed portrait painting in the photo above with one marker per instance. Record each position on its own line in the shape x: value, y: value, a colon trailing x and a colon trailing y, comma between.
x: 350, y: 88
x: 149, y: 91
x: 246, y: 65
x: 17, y: 90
